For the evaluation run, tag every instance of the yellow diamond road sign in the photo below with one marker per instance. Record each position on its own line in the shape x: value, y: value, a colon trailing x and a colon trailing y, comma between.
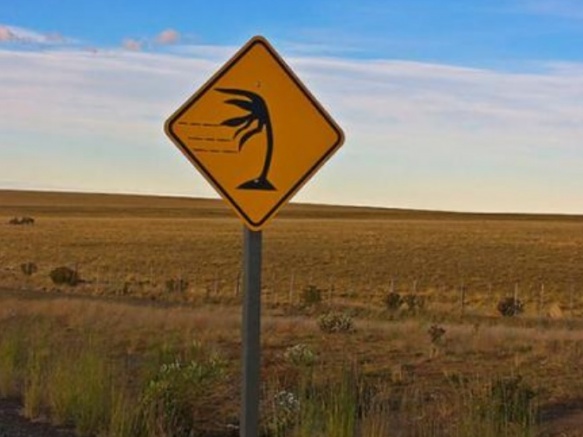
x: 255, y: 132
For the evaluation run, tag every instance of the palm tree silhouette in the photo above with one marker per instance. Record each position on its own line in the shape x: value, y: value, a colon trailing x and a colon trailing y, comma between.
x: 256, y: 112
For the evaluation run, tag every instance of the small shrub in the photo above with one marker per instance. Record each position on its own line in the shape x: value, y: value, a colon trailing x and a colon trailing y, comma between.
x: 300, y: 355
x: 286, y: 408
x: 311, y: 295
x: 169, y: 402
x: 393, y: 301
x: 176, y: 285
x: 124, y: 289
x: 414, y: 302
x: 335, y: 323
x: 510, y: 307
x: 21, y: 221
x: 65, y: 276
x: 28, y: 269
x: 436, y: 334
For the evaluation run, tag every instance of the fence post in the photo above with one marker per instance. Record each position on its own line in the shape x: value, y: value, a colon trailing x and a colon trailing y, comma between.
x: 216, y: 284
x: 571, y: 301
x: 541, y: 301
x: 463, y: 298
x: 331, y: 290
x: 238, y: 283
x: 291, y: 288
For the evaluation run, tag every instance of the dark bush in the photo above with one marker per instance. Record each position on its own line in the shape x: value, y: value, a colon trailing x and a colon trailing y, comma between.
x: 21, y: 221
x: 436, y: 333
x: 176, y: 285
x: 414, y: 302
x: 393, y: 301
x: 509, y: 307
x: 65, y: 276
x: 311, y: 295
x: 28, y: 269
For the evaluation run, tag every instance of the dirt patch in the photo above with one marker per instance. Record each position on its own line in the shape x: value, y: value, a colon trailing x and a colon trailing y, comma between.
x: 13, y: 424
x: 563, y: 420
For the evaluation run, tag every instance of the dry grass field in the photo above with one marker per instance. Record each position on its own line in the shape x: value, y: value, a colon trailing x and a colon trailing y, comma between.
x: 158, y: 273
x: 133, y: 245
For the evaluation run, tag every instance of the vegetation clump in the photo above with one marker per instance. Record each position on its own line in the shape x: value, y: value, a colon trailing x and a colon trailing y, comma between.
x: 414, y: 302
x: 513, y: 400
x: 174, y: 285
x: 28, y: 269
x: 510, y: 307
x: 393, y: 301
x: 436, y: 334
x: 311, y: 295
x: 411, y: 303
x: 65, y: 276
x: 172, y: 397
x: 286, y: 410
x: 300, y: 355
x: 21, y: 221
x: 332, y: 322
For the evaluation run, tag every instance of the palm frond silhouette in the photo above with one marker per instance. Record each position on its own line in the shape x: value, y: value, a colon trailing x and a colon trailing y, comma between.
x: 252, y: 123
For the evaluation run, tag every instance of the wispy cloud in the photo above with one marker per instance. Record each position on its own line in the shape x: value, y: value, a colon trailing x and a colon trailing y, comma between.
x: 168, y: 36
x: 418, y: 134
x: 20, y: 35
x: 163, y: 40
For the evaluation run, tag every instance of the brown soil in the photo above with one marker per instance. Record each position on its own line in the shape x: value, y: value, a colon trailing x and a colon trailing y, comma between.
x: 13, y: 424
x: 563, y: 420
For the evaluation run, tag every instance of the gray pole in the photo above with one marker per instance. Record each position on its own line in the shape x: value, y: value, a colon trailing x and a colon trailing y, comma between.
x: 251, y: 330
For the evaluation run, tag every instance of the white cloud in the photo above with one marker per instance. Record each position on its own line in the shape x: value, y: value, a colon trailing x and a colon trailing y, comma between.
x: 22, y: 35
x: 418, y: 135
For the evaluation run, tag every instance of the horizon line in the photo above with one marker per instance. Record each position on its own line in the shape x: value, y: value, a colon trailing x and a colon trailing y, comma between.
x: 300, y: 203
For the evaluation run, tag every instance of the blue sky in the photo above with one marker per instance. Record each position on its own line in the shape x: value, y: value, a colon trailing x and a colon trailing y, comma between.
x: 453, y: 105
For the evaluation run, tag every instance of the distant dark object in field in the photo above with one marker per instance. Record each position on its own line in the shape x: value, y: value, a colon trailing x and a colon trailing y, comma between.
x: 176, y: 285
x: 436, y: 334
x: 509, y: 307
x: 21, y: 221
x: 28, y: 269
x: 65, y: 276
x: 414, y: 302
x: 311, y: 295
x: 393, y: 301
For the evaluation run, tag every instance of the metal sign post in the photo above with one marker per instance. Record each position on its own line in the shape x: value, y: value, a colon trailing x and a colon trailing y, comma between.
x: 251, y: 333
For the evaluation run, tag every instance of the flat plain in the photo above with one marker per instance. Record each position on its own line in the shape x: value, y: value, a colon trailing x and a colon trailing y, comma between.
x: 153, y: 268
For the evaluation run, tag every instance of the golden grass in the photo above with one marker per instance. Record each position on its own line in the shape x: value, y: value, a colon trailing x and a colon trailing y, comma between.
x: 129, y: 246
x: 399, y: 351
x: 133, y: 245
